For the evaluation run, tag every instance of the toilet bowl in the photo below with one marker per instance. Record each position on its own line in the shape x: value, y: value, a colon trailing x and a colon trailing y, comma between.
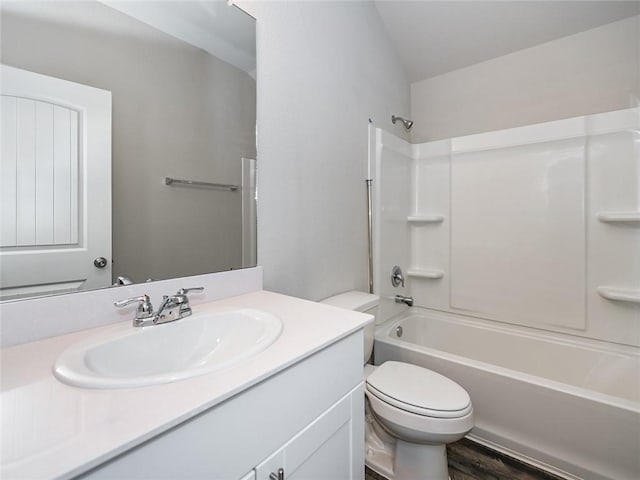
x: 424, y: 411
x: 411, y: 412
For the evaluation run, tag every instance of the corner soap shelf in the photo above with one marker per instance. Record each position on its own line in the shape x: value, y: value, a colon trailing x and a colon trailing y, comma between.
x: 425, y: 219
x: 624, y: 218
x: 619, y: 294
x: 425, y: 273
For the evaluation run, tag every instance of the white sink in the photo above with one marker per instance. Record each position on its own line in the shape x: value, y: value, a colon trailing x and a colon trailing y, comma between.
x: 195, y: 345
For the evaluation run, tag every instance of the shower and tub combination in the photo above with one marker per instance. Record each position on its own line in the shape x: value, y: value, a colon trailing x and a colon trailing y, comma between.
x: 563, y: 405
x: 520, y: 250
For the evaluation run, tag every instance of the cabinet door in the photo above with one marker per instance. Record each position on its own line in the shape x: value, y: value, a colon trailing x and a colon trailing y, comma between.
x: 321, y: 451
x: 270, y: 466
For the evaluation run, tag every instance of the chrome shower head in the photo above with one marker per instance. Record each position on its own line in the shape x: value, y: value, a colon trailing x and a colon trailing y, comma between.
x: 407, y: 123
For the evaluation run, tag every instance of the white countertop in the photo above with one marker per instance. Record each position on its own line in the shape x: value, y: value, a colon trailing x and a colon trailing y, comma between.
x: 52, y: 430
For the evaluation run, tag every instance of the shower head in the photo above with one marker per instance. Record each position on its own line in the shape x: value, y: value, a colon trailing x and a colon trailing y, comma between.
x: 407, y: 123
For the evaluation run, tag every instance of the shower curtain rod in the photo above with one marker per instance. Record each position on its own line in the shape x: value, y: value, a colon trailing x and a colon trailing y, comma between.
x: 370, y: 232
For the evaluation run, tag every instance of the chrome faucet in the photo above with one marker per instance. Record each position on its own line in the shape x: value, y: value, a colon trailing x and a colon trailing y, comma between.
x: 173, y: 307
x: 144, y: 313
x: 403, y: 299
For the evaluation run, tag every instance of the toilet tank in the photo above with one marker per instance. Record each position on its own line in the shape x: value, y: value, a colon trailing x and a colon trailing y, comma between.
x: 360, y: 302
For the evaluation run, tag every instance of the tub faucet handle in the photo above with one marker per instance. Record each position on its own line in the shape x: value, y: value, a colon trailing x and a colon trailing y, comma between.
x: 397, y: 278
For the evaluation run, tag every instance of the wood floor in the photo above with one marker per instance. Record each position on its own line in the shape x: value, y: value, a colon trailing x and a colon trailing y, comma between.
x: 471, y: 461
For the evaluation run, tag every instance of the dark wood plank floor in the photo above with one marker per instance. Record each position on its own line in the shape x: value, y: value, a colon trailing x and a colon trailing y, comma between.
x: 471, y: 461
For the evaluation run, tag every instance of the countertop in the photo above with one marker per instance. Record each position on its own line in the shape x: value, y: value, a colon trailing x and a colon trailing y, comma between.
x: 53, y: 430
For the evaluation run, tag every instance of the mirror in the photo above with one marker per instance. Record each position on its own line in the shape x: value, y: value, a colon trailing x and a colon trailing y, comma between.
x: 181, y: 77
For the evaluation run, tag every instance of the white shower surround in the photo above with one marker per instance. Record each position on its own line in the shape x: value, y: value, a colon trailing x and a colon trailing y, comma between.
x: 517, y: 226
x: 576, y: 321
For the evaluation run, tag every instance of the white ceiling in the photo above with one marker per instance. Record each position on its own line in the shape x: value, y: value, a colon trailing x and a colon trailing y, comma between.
x: 212, y: 25
x: 436, y: 37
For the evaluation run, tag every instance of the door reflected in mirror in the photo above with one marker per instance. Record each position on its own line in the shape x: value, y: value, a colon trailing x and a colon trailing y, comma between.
x: 181, y: 81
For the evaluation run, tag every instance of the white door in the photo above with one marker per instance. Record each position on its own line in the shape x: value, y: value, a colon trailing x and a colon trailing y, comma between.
x: 55, y: 185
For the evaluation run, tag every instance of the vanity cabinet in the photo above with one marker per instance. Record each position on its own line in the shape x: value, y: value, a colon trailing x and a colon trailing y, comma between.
x: 321, y: 451
x: 308, y: 419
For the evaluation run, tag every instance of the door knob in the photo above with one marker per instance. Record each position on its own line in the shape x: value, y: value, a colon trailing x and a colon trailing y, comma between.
x: 100, y: 262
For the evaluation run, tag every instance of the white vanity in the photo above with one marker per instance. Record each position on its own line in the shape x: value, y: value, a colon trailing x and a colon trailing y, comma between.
x: 295, y: 406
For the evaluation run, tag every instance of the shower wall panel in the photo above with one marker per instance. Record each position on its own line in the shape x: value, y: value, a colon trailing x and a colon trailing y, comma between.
x: 613, y: 226
x: 393, y: 196
x: 429, y: 236
x: 535, y: 226
x: 518, y: 233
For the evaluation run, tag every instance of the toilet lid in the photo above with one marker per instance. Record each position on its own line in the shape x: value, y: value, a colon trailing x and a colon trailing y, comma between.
x: 418, y: 390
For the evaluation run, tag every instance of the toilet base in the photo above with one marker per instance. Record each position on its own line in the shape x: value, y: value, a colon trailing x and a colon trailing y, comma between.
x: 380, y: 447
x: 420, y: 462
x: 410, y: 462
x: 399, y: 460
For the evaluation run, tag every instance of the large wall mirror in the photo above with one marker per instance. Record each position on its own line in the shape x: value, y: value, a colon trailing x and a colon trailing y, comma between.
x: 128, y: 143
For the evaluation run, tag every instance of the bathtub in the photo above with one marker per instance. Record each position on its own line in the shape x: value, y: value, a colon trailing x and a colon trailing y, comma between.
x: 571, y: 407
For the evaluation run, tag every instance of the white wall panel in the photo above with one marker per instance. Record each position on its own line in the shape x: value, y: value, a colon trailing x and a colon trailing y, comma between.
x: 430, y: 240
x: 518, y: 234
x: 614, y: 248
x: 393, y: 199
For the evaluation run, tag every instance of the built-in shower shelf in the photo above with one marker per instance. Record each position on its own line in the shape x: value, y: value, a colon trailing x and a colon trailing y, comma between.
x: 425, y: 273
x: 619, y: 294
x: 425, y: 218
x: 625, y: 218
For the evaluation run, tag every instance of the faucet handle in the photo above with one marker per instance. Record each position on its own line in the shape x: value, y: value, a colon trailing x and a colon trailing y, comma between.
x: 184, y: 291
x: 181, y: 296
x: 128, y: 301
x: 397, y: 278
x: 182, y: 300
x: 145, y: 308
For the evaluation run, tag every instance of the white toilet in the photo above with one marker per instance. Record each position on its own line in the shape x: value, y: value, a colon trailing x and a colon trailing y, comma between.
x: 412, y: 412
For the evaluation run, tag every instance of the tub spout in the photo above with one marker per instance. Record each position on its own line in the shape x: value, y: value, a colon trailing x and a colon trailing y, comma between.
x: 406, y: 300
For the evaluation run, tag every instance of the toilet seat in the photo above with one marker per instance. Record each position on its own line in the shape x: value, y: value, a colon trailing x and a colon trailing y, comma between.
x: 416, y: 428
x: 418, y: 391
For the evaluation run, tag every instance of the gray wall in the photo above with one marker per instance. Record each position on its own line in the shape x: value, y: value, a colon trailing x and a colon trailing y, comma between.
x: 590, y: 72
x: 324, y: 69
x: 177, y: 111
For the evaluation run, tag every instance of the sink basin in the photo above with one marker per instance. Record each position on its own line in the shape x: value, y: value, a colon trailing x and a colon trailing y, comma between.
x: 195, y: 345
